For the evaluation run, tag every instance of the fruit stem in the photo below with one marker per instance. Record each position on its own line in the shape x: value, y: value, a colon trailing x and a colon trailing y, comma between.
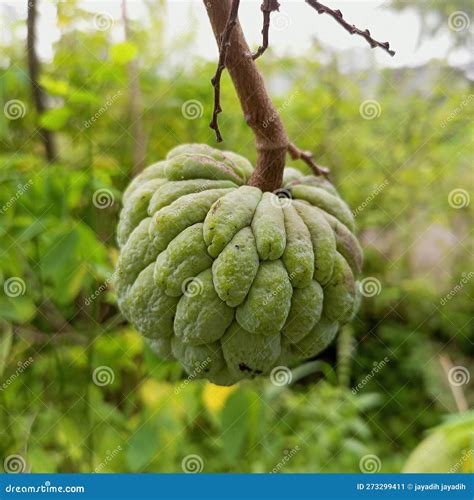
x: 260, y: 114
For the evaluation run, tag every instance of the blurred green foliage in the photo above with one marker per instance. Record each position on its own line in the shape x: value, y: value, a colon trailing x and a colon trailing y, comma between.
x: 396, y: 171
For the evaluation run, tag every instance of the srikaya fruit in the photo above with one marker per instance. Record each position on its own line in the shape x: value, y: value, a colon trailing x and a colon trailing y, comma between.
x: 227, y: 279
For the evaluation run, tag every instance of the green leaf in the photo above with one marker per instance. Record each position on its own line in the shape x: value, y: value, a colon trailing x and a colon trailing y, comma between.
x: 60, y: 254
x: 55, y: 87
x: 55, y: 119
x: 235, y: 425
x: 83, y: 97
x: 448, y: 448
x: 123, y: 53
x: 17, y: 309
x: 142, y: 446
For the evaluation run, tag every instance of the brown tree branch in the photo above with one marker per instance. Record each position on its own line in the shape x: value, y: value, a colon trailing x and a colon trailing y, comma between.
x: 34, y: 68
x: 350, y: 28
x: 307, y: 157
x: 270, y: 136
x: 267, y: 7
x: 223, y: 42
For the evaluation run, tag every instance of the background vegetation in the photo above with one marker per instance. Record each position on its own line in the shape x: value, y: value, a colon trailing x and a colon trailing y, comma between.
x: 369, y: 400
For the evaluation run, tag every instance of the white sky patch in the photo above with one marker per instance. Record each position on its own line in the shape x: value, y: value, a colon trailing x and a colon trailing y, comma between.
x: 293, y: 29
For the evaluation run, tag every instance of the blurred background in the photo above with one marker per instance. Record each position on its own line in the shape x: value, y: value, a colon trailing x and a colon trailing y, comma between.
x: 105, y: 88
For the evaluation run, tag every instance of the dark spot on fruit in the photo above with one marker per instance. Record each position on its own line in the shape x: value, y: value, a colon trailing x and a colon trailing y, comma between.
x: 237, y: 246
x: 244, y: 368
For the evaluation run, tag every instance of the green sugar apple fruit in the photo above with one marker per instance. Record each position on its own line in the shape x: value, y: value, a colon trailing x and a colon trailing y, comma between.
x: 227, y: 279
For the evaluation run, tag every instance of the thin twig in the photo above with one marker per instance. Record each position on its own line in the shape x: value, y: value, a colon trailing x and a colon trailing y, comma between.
x: 307, y: 157
x: 353, y: 30
x: 267, y: 7
x: 216, y: 80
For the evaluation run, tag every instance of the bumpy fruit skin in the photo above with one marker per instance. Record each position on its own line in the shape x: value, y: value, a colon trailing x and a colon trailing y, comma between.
x: 228, y: 280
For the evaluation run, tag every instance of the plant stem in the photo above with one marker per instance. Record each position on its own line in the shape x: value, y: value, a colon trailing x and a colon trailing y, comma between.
x: 260, y: 114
